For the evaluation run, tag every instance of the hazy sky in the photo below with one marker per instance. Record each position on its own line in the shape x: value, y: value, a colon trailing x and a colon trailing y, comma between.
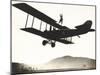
x: 28, y: 48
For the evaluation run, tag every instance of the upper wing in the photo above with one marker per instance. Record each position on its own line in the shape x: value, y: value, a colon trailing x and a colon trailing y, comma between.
x: 34, y: 12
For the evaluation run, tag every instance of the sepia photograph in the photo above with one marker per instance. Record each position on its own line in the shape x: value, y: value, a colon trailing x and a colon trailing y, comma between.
x: 52, y: 37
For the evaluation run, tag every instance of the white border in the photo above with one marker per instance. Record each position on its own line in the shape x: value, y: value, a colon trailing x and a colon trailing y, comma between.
x: 5, y: 36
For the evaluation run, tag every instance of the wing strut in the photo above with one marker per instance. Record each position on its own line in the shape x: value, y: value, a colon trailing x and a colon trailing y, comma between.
x: 40, y: 24
x: 46, y: 27
x: 50, y: 28
x: 26, y: 20
x: 33, y: 21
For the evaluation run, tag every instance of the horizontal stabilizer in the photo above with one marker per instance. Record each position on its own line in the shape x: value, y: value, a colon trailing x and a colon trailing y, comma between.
x: 91, y: 30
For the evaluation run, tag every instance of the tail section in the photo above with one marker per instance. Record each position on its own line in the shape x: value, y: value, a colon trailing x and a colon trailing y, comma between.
x: 86, y: 26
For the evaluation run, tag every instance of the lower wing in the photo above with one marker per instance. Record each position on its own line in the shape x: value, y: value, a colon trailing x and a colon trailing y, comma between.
x: 45, y: 35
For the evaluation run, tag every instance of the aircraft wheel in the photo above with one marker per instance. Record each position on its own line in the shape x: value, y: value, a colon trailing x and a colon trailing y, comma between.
x: 52, y: 44
x: 44, y: 42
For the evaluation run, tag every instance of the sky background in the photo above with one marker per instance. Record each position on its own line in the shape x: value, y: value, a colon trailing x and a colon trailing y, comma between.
x: 5, y: 39
x: 27, y: 48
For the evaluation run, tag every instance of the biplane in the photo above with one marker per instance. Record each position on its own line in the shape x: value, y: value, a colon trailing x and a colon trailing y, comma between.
x: 56, y: 31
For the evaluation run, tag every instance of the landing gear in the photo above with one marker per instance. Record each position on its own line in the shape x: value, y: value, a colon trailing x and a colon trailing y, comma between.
x: 44, y: 42
x: 49, y: 42
x: 52, y: 44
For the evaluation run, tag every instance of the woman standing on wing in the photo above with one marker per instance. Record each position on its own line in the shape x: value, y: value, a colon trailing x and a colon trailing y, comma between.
x: 61, y: 19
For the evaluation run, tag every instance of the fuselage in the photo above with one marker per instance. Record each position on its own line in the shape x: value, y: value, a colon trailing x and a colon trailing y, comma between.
x: 63, y: 33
